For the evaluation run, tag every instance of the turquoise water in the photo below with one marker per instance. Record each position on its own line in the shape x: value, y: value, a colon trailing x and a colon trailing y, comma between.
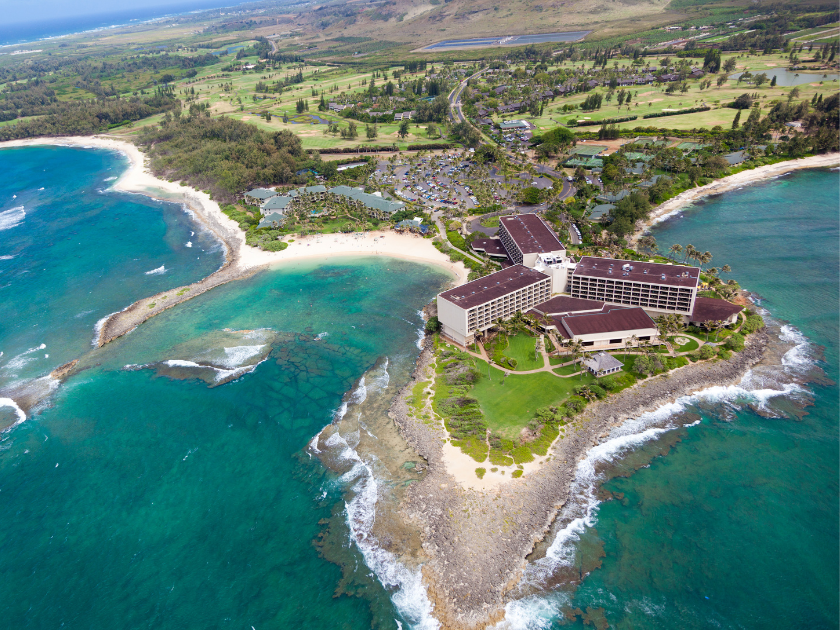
x: 145, y: 496
x: 71, y: 252
x: 737, y: 527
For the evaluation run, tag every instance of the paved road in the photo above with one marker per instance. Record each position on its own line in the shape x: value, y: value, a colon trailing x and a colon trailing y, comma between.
x: 455, y: 111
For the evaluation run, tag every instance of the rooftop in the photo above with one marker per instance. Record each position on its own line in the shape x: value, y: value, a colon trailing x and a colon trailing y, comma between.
x: 493, y: 286
x: 635, y: 271
x: 712, y: 309
x: 601, y: 361
x: 490, y: 246
x: 564, y: 304
x: 531, y: 234
x: 610, y: 320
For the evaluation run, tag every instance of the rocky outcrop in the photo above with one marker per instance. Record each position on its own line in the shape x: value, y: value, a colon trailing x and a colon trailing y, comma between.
x: 477, y: 542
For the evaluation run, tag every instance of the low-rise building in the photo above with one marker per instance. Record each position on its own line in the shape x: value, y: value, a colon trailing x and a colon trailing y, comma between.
x: 600, y: 364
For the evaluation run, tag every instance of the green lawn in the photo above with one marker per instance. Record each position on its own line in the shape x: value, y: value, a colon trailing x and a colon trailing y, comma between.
x: 509, y: 403
x: 521, y: 348
x: 568, y: 369
x: 692, y: 345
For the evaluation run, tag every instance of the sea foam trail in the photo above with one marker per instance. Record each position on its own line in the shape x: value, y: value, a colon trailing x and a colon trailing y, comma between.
x: 159, y: 270
x: 535, y: 612
x: 12, y: 218
x: 408, y: 593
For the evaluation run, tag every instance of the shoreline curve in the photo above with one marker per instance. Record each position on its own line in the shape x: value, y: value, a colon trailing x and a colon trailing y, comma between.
x: 241, y: 260
x: 726, y: 184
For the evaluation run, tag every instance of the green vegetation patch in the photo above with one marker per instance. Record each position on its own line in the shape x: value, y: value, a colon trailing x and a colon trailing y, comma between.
x: 520, y: 348
x: 480, y: 472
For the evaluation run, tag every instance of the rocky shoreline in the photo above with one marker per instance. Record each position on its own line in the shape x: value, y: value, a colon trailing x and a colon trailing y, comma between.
x: 476, y: 542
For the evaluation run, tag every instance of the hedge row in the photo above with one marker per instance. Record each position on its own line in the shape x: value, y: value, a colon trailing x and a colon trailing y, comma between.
x: 366, y: 148
x: 690, y: 110
x: 605, y: 121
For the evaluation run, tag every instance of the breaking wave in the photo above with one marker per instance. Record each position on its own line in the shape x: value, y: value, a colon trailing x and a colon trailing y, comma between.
x: 154, y: 272
x: 12, y: 218
x: 756, y: 389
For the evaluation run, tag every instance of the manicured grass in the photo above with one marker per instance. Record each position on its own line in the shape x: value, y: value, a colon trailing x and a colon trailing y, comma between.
x: 566, y: 370
x: 692, y: 344
x: 509, y: 403
x: 490, y: 222
x: 521, y: 348
x: 558, y: 360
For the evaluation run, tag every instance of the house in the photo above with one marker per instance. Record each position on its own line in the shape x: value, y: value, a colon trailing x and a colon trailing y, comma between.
x: 275, y: 219
x: 600, y: 364
x: 738, y: 157
x: 713, y: 310
x: 278, y: 203
x: 612, y: 197
x: 601, y: 210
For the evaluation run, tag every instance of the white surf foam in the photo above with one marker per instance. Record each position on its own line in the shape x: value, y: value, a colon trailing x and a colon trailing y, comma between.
x: 21, y: 416
x: 406, y: 585
x: 236, y: 356
x: 188, y: 244
x: 23, y: 358
x: 12, y: 218
x: 154, y: 272
x: 6, y: 257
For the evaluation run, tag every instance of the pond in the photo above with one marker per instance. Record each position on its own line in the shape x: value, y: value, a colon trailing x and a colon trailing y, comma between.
x: 789, y: 78
x: 308, y: 119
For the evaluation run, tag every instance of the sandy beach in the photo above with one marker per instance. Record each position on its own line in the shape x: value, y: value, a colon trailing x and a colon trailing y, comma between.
x: 744, y: 178
x: 241, y: 260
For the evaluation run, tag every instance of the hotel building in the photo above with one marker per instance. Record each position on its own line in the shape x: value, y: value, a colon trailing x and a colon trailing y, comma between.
x: 474, y: 306
x: 655, y: 287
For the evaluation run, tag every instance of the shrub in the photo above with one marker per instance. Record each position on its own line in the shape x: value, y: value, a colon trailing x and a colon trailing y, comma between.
x: 433, y: 325
x: 753, y: 323
x: 479, y: 472
x: 689, y: 110
x: 706, y: 352
x: 522, y: 455
x: 475, y: 448
x: 548, y: 434
x: 723, y: 353
x: 273, y: 246
x: 735, y: 342
x: 498, y: 458
x: 516, y: 474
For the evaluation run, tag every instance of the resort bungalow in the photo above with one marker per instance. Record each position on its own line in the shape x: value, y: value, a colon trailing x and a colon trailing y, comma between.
x: 273, y: 220
x: 258, y: 195
x: 600, y: 364
x: 713, y: 310
x: 276, y: 204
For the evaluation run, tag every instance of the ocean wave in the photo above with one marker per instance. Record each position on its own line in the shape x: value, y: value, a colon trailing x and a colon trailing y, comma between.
x: 21, y: 416
x: 6, y: 257
x: 22, y: 359
x: 159, y: 270
x: 406, y: 585
x: 421, y: 332
x: 12, y: 218
x: 756, y: 389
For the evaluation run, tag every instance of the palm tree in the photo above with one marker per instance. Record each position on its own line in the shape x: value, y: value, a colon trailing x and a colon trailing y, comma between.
x: 675, y: 249
x: 689, y: 252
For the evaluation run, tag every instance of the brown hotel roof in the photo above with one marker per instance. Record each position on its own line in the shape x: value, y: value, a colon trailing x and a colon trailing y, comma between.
x: 565, y: 304
x: 493, y: 286
x: 608, y: 321
x: 712, y: 309
x: 651, y: 273
x: 531, y: 234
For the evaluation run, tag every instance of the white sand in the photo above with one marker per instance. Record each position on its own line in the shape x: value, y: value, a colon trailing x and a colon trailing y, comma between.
x: 744, y: 178
x: 138, y: 179
x: 462, y: 467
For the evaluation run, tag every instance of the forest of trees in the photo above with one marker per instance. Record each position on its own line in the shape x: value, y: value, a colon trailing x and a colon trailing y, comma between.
x: 67, y: 118
x: 224, y: 155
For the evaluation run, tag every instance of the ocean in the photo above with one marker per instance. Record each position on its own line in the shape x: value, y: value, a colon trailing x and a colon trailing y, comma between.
x: 184, y: 476
x: 98, y: 16
x: 731, y: 522
x: 141, y: 493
